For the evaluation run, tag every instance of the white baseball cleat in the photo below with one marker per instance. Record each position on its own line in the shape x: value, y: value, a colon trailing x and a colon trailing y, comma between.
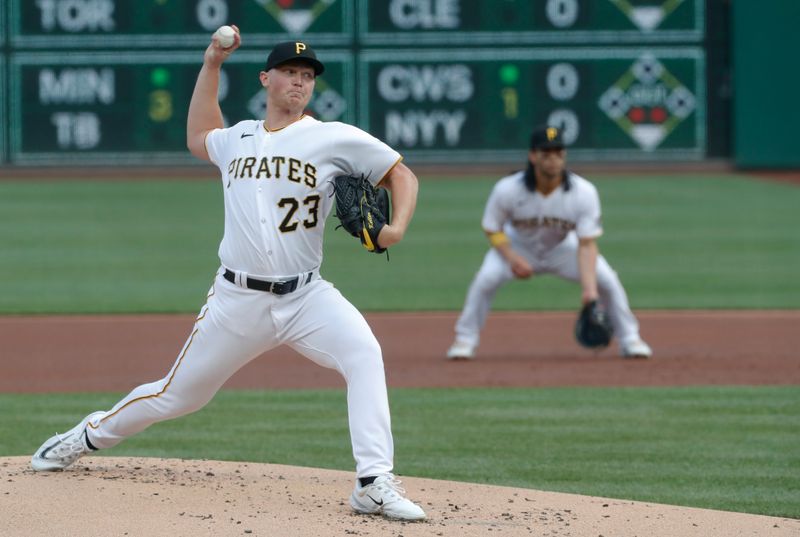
x: 62, y: 450
x: 461, y: 350
x: 385, y: 497
x: 636, y: 349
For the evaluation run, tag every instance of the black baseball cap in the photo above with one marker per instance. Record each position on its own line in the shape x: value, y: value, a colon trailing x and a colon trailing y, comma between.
x: 294, y: 50
x: 546, y: 137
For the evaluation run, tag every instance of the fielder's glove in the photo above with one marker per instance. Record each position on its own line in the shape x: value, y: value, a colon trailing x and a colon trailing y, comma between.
x: 593, y: 329
x: 362, y: 209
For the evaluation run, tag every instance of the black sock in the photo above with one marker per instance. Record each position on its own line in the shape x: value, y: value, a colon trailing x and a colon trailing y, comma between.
x: 367, y: 480
x: 88, y: 443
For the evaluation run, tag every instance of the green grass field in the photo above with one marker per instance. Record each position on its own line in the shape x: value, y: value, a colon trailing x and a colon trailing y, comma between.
x: 729, y: 448
x: 150, y: 246
x: 719, y: 242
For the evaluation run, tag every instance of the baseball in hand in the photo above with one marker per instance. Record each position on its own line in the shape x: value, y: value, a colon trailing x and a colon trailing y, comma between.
x: 225, y: 36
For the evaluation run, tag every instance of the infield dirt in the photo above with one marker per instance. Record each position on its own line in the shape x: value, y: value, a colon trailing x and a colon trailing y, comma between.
x: 106, y: 496
x: 116, y: 353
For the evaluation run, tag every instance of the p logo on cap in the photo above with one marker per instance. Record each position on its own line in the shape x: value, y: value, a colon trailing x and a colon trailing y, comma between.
x: 293, y: 51
x: 547, y: 137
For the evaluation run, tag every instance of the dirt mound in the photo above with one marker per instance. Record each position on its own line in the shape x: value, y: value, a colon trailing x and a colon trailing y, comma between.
x: 107, y: 496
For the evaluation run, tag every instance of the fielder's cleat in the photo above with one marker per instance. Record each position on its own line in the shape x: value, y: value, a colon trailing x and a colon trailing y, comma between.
x: 62, y: 450
x: 460, y: 350
x: 636, y: 349
x: 385, y: 497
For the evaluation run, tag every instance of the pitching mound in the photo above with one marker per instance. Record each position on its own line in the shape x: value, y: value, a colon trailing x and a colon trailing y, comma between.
x: 146, y: 497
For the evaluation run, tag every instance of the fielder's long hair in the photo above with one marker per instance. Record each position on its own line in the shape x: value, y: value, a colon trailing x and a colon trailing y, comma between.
x: 530, y: 178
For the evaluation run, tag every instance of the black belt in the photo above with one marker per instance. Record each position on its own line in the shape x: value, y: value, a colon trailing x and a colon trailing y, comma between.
x: 276, y: 288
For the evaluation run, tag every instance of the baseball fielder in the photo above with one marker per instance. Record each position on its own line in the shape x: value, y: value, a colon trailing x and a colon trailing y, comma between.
x: 545, y: 220
x: 275, y: 176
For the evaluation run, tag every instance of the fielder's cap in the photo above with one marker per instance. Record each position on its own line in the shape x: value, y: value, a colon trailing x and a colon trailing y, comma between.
x: 294, y: 50
x: 545, y: 137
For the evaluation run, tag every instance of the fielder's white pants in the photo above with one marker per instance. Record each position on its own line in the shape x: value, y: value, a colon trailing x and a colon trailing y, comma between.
x: 561, y: 261
x: 237, y: 325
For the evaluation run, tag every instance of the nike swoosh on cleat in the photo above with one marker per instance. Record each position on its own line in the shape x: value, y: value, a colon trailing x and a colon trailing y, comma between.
x: 374, y: 500
x: 46, y: 450
x: 245, y: 135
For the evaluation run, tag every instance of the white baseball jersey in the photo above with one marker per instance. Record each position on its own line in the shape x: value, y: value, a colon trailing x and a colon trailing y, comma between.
x: 278, y: 192
x: 545, y: 230
x: 278, y: 189
x: 537, y: 223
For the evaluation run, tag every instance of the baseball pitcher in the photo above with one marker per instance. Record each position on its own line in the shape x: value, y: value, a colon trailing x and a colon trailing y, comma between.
x: 545, y: 220
x: 277, y: 185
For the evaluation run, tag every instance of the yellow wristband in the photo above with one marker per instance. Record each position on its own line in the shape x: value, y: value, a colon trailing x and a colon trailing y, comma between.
x: 498, y: 239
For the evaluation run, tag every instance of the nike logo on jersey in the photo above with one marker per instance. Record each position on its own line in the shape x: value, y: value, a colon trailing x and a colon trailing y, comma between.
x: 374, y: 500
x: 244, y: 135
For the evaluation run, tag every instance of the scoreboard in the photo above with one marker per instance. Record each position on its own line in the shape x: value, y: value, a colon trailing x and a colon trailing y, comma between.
x: 173, y: 23
x: 480, y: 104
x: 109, y: 81
x: 517, y: 22
x: 112, y: 108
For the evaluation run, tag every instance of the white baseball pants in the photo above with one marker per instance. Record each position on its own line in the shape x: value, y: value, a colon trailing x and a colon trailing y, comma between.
x: 561, y: 261
x: 238, y: 324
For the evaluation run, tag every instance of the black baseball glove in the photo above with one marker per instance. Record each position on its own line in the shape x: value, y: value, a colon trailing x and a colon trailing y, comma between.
x: 593, y: 329
x: 362, y: 209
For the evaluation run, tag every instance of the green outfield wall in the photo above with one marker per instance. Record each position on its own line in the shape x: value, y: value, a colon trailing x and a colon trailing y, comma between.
x: 766, y: 79
x: 107, y: 82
